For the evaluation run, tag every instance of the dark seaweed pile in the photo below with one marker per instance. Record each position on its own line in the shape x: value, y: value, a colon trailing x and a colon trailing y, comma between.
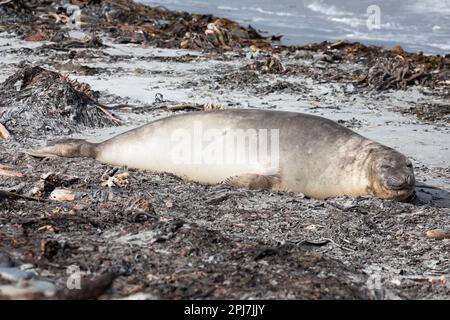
x: 35, y: 101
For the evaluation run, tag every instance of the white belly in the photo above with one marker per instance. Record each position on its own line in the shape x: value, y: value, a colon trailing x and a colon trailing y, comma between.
x: 206, y: 156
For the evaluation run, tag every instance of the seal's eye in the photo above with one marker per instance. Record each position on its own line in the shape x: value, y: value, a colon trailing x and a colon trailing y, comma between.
x: 385, y: 166
x: 409, y: 165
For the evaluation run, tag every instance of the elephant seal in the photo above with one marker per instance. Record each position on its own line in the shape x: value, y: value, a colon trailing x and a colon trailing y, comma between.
x: 294, y: 152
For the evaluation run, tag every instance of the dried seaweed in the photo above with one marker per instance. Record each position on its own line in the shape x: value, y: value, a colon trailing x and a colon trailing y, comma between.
x: 271, y: 64
x: 387, y: 68
x: 129, y: 22
x: 429, y: 112
x: 396, y: 73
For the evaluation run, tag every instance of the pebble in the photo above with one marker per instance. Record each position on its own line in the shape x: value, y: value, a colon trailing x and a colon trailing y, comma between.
x: 349, y: 88
x: 15, y: 274
x: 141, y: 296
x: 62, y: 195
x: 168, y: 204
x: 27, y: 290
x: 438, y: 234
x: 311, y: 227
x: 27, y: 266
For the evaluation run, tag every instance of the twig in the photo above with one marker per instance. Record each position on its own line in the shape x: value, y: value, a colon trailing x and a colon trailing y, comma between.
x: 180, y: 107
x: 320, y: 242
x: 10, y: 173
x: 117, y: 121
x: 5, y: 2
x: 188, y: 106
x: 416, y: 75
x: 14, y: 196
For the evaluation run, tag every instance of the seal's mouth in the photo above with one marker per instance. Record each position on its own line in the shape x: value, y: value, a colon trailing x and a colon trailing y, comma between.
x: 397, y: 184
x: 398, y: 188
x: 399, y: 194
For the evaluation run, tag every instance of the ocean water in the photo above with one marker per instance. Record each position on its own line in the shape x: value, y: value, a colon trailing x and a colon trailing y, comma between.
x: 416, y: 25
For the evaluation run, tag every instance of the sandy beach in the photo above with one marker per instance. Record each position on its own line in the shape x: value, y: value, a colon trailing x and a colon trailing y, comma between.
x: 143, y: 235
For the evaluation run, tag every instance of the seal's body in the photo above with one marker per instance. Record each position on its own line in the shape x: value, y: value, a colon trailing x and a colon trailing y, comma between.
x: 294, y: 152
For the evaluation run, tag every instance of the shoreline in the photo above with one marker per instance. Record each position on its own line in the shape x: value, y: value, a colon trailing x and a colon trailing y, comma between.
x: 265, y: 20
x: 156, y: 236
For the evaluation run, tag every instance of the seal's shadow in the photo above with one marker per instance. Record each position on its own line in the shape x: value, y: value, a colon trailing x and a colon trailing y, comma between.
x: 431, y: 195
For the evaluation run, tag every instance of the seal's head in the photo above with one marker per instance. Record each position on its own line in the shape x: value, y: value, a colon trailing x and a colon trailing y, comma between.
x: 391, y: 175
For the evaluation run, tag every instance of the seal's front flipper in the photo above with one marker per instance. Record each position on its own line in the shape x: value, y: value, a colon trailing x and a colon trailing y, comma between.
x: 40, y: 153
x: 68, y: 148
x: 254, y: 181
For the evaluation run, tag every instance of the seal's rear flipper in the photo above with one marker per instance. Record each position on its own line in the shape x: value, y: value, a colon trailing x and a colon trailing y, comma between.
x: 254, y: 181
x: 67, y: 148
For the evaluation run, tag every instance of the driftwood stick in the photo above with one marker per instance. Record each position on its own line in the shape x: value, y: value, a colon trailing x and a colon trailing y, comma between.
x: 190, y: 106
x: 15, y: 196
x: 5, y: 2
x: 117, y: 121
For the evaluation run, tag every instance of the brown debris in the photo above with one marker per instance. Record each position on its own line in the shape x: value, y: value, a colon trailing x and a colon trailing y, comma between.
x: 140, y: 209
x: 222, y: 33
x: 59, y: 18
x: 129, y: 22
x: 119, y: 181
x: 386, y: 68
x: 270, y: 65
x: 433, y: 112
x: 53, y: 185
x: 438, y: 234
x: 395, y: 73
x: 37, y: 36
x: 429, y: 112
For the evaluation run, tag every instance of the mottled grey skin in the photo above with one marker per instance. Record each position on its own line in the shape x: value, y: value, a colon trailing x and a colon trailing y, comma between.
x: 318, y: 157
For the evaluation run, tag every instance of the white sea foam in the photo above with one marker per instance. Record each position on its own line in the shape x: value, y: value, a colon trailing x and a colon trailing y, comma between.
x: 429, y: 6
x: 257, y: 9
x: 227, y: 8
x: 330, y: 10
x: 445, y: 47
x: 264, y: 11
x: 352, y: 22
